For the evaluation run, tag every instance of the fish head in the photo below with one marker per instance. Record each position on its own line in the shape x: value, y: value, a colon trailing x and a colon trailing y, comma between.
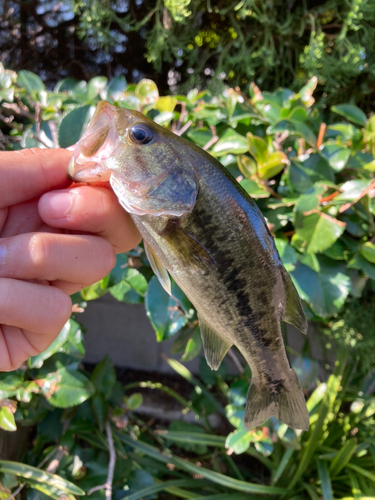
x: 150, y: 169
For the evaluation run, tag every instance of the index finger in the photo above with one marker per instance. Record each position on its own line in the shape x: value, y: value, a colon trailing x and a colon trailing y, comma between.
x: 28, y: 173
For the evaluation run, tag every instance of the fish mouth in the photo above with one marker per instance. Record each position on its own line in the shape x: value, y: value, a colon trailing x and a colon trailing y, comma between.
x: 95, y: 146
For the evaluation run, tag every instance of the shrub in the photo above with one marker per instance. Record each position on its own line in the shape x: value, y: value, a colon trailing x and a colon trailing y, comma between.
x: 314, y: 183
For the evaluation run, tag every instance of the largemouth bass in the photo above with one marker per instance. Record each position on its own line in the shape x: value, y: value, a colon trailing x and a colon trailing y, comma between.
x: 203, y: 229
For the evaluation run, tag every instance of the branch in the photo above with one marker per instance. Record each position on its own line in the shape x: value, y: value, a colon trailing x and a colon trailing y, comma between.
x: 213, y: 139
x: 107, y: 486
x: 235, y: 360
x: 364, y: 192
x: 184, y: 128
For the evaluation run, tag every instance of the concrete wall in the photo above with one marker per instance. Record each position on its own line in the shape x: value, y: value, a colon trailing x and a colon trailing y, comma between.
x: 124, y: 332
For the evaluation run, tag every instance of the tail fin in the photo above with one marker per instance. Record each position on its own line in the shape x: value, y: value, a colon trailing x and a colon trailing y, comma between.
x: 288, y: 405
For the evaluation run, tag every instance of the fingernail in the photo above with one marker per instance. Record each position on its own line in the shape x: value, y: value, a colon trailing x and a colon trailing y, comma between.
x: 57, y: 205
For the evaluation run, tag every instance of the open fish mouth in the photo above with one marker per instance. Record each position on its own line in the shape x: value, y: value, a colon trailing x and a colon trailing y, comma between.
x: 96, y: 145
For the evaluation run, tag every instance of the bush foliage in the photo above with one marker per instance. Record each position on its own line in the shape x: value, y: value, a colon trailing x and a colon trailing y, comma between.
x: 184, y: 43
x: 314, y: 182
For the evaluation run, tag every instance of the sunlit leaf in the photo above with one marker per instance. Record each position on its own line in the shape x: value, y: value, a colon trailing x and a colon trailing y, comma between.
x: 257, y: 148
x: 28, y: 472
x: 30, y: 81
x: 147, y: 91
x: 351, y: 112
x: 7, y: 421
x: 229, y: 142
x: 274, y: 164
x: 95, y: 86
x: 66, y: 388
x: 368, y: 251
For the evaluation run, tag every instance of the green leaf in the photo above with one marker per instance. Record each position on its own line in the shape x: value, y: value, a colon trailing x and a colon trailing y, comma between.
x: 30, y: 82
x: 200, y: 136
x: 246, y: 165
x: 46, y: 491
x: 168, y: 486
x: 255, y: 189
x: 7, y: 421
x: 362, y: 264
x: 275, y: 163
x: 9, y: 383
x: 324, y: 291
x: 100, y: 408
x: 326, y: 404
x: 166, y: 103
x: 28, y: 472
x: 134, y: 401
x: 351, y: 112
x: 294, y: 128
x: 309, y: 201
x: 319, y: 231
x: 229, y: 142
x: 147, y: 91
x: 362, y: 471
x: 342, y: 457
x: 238, y: 441
x: 37, y: 361
x: 352, y: 190
x: 336, y: 155
x: 193, y: 346
x: 140, y: 479
x: 96, y: 290
x: 287, y: 254
x: 368, y: 251
x: 304, y: 174
x: 95, y: 86
x: 66, y: 388
x: 215, y: 477
x: 7, y: 94
x: 325, y: 480
x: 257, y: 148
x: 104, y: 377
x: 164, y: 312
x: 116, y: 88
x: 72, y: 126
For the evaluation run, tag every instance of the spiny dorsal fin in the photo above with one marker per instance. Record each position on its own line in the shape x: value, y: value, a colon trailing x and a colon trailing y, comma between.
x: 293, y: 313
x: 190, y: 249
x: 215, y: 348
x: 158, y: 268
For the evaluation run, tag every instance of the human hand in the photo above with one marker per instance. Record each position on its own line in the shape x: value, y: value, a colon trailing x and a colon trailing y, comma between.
x: 43, y: 259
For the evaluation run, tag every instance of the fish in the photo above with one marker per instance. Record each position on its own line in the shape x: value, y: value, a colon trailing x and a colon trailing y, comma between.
x: 200, y: 227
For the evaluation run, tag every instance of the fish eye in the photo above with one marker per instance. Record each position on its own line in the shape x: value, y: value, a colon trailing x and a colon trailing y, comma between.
x: 141, y: 134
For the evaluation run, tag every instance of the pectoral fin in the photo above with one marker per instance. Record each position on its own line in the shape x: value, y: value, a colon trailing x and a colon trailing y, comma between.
x: 190, y: 250
x: 158, y: 268
x: 215, y: 348
x: 293, y: 313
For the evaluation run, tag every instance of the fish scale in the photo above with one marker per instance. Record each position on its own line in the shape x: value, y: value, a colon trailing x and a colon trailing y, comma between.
x: 202, y: 228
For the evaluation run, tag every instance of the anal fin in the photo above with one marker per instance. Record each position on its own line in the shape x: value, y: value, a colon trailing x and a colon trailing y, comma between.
x: 215, y: 348
x: 158, y: 268
x: 293, y: 314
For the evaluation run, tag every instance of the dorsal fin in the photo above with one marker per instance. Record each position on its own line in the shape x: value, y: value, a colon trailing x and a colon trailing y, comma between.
x: 293, y: 314
x: 158, y: 268
x: 215, y: 348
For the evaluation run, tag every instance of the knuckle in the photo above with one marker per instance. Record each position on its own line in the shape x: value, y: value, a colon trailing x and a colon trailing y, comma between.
x: 58, y: 310
x: 38, y: 249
